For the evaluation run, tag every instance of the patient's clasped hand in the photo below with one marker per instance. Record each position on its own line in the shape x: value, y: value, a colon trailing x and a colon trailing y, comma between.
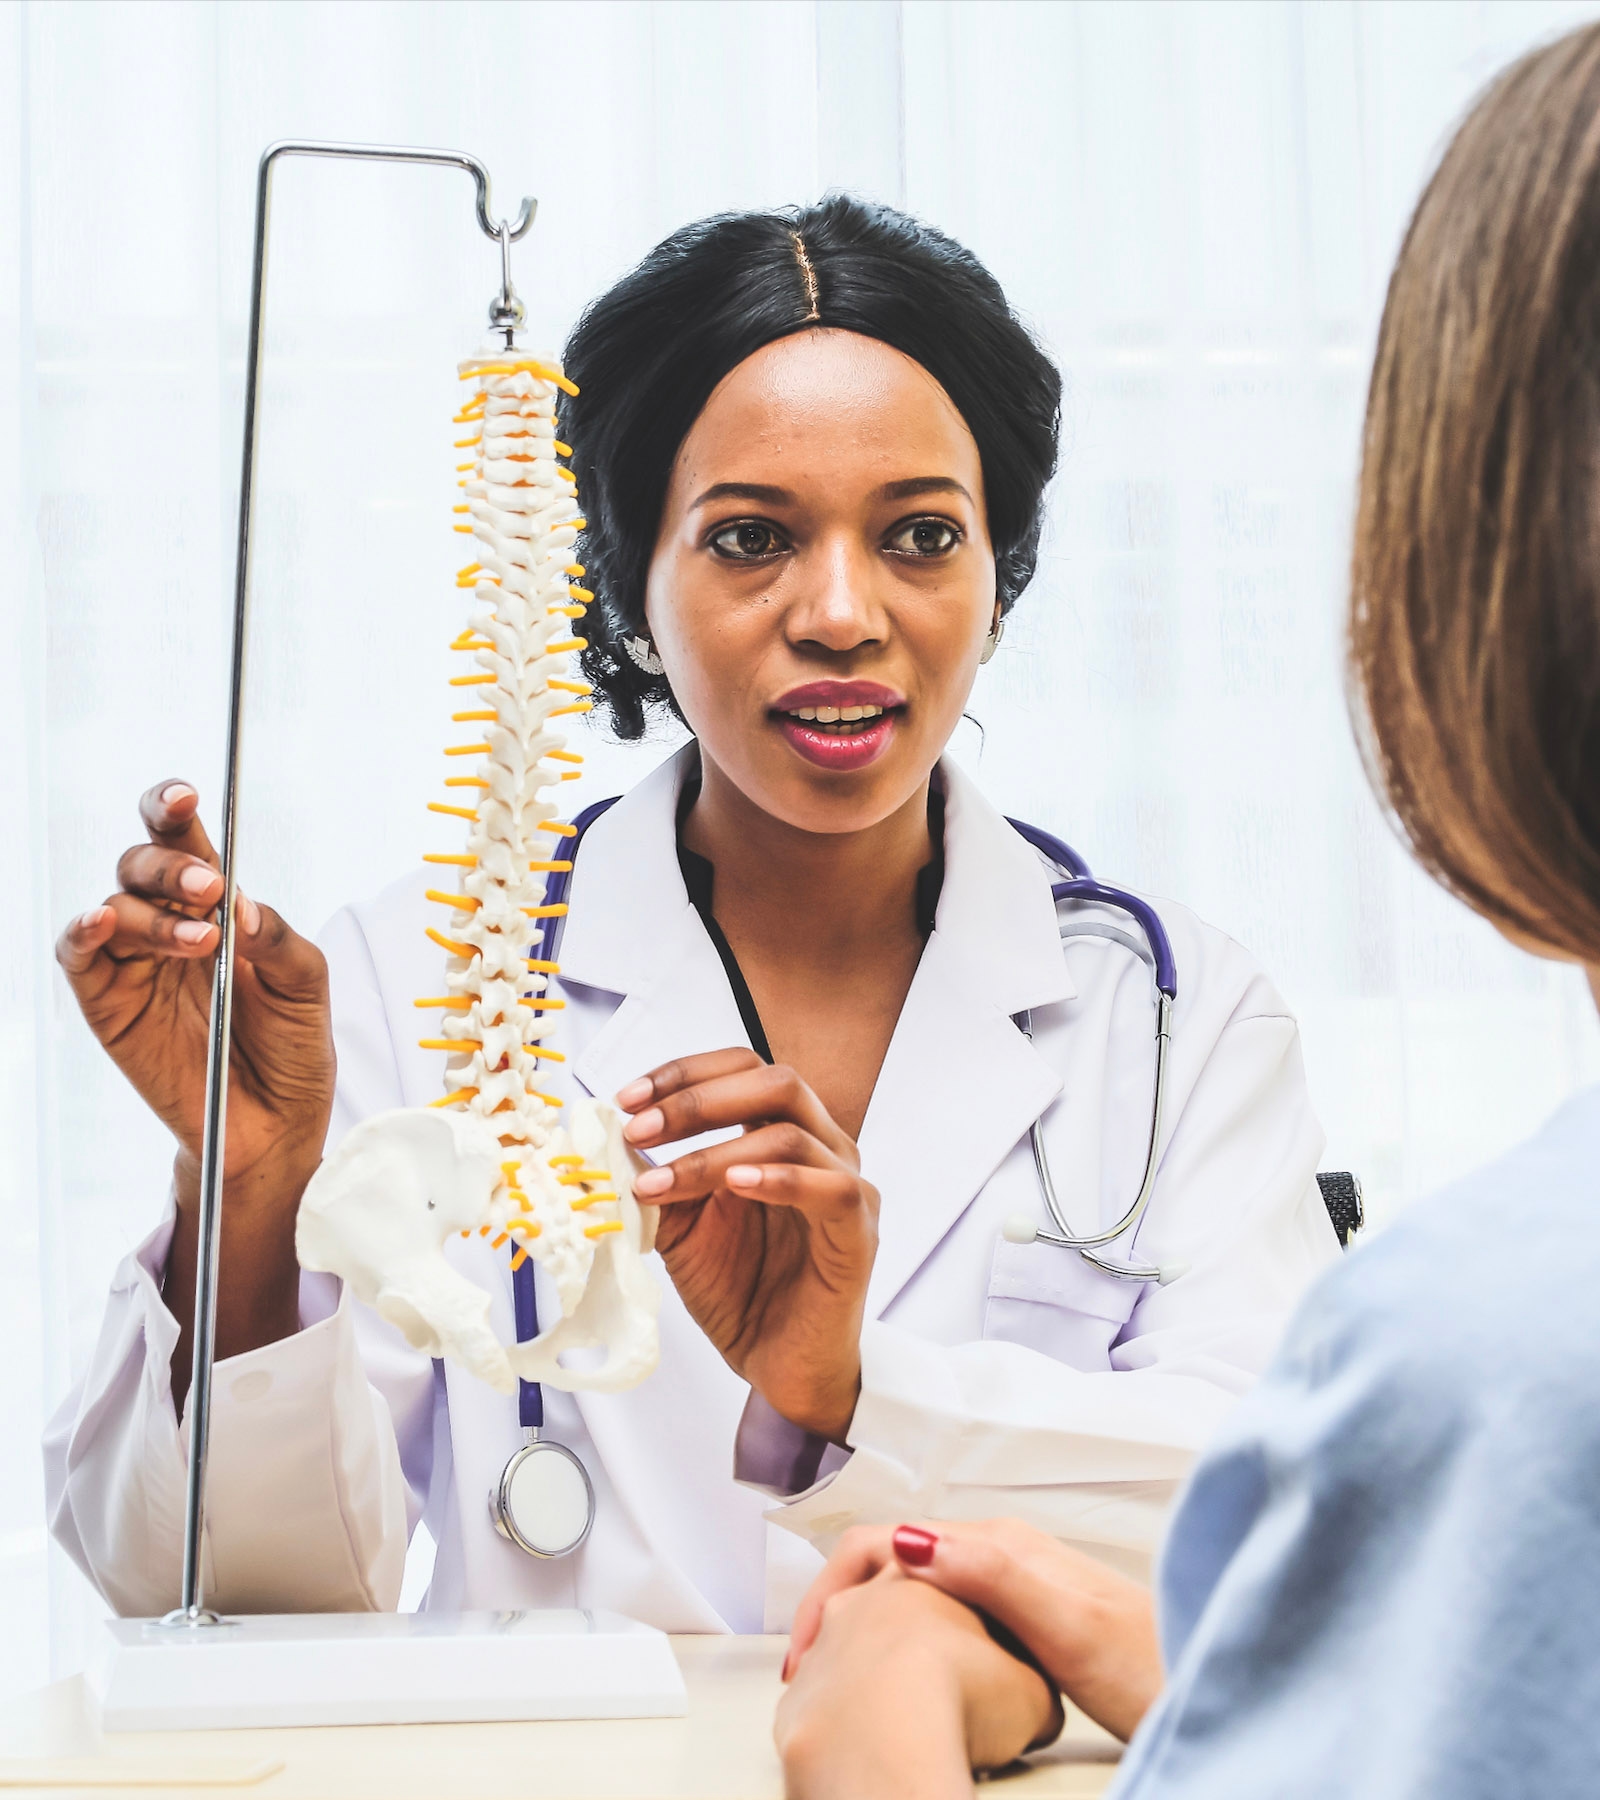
x: 498, y: 1161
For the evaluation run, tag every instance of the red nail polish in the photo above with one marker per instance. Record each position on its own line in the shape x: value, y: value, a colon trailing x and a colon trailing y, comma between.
x: 914, y: 1545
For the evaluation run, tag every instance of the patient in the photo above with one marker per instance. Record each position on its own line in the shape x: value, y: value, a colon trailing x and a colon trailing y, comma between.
x: 1384, y: 1578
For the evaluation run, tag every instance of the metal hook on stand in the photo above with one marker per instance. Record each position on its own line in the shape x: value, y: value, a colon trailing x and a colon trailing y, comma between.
x: 506, y: 313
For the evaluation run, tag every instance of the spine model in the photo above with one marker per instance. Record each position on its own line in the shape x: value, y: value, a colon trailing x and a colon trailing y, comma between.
x: 498, y: 1157
x: 523, y: 512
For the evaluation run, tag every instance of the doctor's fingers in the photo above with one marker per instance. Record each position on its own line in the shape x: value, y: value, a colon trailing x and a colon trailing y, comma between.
x: 174, y: 876
x: 779, y: 1164
x: 170, y: 812
x: 756, y: 1093
x: 129, y: 927
x: 826, y: 1195
x: 95, y: 946
x: 684, y: 1072
x: 78, y: 950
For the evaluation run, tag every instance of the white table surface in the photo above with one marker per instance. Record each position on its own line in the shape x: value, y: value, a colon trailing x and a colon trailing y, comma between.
x: 721, y: 1751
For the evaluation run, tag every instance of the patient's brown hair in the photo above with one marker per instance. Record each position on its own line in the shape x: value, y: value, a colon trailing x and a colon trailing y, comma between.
x: 1475, y: 609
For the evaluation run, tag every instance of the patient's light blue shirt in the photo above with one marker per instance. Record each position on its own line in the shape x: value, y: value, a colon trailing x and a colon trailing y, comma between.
x: 1383, y: 1580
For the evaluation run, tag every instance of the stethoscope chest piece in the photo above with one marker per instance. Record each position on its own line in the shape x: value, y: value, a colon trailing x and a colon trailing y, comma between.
x: 544, y: 1501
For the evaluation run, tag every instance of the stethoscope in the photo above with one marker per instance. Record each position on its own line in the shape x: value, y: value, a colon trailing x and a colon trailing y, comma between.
x: 544, y: 1500
x: 1156, y: 951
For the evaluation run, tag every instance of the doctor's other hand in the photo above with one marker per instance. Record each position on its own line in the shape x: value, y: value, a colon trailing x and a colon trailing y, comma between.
x: 1092, y: 1630
x: 770, y: 1237
x: 140, y: 967
x: 903, y: 1694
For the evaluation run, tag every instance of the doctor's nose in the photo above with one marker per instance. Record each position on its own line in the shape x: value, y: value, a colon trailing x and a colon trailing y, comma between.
x: 836, y: 608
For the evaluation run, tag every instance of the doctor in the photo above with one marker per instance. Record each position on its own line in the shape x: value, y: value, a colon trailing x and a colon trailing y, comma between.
x: 812, y: 449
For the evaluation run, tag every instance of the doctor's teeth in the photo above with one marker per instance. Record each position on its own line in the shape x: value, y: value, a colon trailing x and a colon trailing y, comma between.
x: 836, y: 715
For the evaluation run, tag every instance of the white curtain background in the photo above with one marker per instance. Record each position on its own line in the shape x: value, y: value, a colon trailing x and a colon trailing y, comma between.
x: 1196, y: 205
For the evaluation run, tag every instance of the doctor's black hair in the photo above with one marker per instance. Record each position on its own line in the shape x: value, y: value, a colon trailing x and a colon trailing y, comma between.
x: 647, y: 354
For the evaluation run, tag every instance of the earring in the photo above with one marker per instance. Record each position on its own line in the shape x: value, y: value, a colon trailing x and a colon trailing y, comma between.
x: 992, y: 642
x: 642, y: 654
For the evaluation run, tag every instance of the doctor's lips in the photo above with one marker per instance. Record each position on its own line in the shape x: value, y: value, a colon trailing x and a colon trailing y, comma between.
x: 839, y: 724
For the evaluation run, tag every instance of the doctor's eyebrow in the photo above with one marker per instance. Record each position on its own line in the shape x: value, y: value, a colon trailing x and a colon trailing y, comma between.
x: 763, y: 495
x: 919, y: 485
x: 743, y: 490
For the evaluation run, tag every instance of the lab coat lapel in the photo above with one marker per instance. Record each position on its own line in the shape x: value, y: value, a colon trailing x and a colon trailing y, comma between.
x: 627, y: 898
x: 961, y: 1083
x: 633, y: 932
x: 687, y: 1007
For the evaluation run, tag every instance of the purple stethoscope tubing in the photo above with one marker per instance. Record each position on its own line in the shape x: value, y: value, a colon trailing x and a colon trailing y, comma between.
x: 1082, y: 887
x: 503, y: 1501
x: 524, y: 1295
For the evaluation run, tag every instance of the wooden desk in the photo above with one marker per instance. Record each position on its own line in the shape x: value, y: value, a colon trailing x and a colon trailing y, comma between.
x: 721, y: 1751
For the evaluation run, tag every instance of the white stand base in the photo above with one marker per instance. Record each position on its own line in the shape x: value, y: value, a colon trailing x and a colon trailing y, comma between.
x: 273, y: 1669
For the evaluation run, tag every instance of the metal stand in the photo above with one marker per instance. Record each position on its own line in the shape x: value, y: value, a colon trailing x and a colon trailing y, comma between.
x: 195, y: 1670
x: 505, y: 313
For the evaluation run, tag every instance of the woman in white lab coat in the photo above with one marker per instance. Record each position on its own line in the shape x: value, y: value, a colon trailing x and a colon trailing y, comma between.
x: 812, y: 449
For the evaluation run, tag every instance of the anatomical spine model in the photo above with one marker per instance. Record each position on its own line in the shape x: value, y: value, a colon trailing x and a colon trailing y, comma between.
x: 493, y: 1158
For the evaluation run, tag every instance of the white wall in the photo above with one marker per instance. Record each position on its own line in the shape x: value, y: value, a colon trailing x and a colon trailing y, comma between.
x: 1196, y: 205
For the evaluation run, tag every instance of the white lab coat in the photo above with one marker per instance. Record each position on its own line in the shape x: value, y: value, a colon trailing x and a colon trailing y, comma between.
x: 996, y: 1378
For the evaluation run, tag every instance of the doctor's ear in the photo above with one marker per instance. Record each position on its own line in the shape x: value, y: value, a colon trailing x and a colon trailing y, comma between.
x: 997, y: 630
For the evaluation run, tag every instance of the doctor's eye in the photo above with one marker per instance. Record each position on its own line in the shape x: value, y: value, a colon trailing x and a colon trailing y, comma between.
x: 747, y: 540
x: 924, y: 537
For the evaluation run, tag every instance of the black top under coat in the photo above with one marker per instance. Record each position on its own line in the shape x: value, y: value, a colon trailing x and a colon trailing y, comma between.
x: 699, y: 879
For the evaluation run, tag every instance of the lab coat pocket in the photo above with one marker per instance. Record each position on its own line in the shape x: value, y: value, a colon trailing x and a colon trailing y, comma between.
x: 1051, y: 1300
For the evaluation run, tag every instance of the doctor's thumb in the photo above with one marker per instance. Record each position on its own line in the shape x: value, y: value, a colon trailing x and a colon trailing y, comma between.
x: 294, y: 966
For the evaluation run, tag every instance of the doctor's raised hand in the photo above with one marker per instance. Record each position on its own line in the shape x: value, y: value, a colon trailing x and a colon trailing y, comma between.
x: 140, y: 967
x: 769, y: 1238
